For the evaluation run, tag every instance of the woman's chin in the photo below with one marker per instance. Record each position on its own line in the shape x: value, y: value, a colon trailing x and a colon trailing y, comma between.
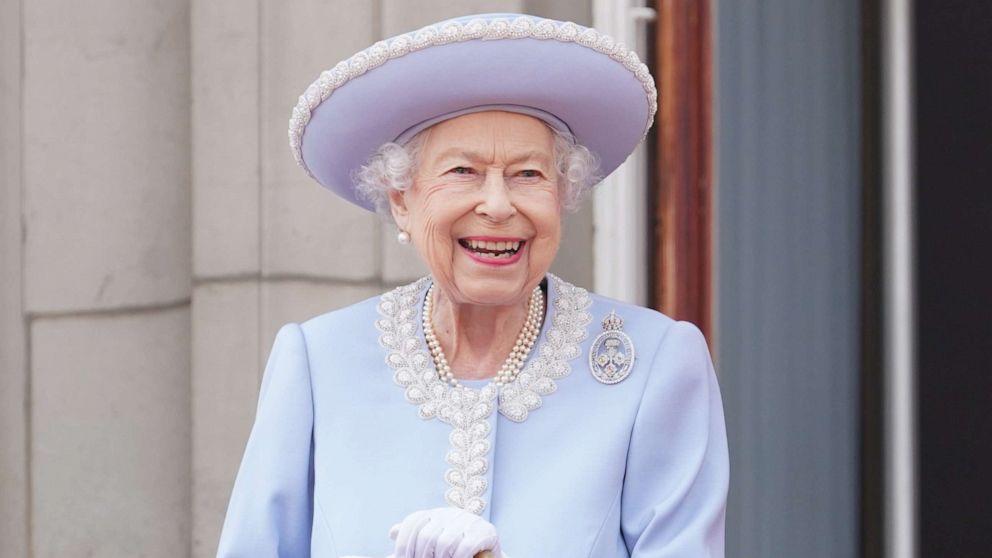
x: 478, y: 284
x: 478, y: 281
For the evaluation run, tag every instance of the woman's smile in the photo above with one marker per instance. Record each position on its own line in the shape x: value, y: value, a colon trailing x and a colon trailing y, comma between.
x: 493, y: 250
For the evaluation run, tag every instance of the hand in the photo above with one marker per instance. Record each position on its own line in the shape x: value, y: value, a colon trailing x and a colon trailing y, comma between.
x: 444, y: 533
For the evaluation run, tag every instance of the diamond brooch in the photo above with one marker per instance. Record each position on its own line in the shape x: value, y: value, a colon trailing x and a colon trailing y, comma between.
x: 612, y: 354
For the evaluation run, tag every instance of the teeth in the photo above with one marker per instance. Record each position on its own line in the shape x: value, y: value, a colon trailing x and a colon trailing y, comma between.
x: 494, y: 246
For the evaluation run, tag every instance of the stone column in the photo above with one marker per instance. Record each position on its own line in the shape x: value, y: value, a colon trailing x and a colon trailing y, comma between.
x: 106, y: 267
x: 270, y: 245
x: 13, y: 357
x: 225, y: 349
x: 317, y: 251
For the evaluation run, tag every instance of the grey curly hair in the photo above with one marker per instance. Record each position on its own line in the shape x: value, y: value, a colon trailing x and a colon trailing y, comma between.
x: 393, y: 167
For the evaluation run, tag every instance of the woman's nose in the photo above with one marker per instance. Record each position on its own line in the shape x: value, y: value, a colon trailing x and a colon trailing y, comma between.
x: 496, y: 203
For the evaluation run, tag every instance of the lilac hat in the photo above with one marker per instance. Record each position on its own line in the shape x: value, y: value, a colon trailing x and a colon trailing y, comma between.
x: 572, y: 77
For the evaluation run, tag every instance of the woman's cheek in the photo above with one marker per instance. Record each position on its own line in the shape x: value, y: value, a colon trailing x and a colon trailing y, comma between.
x: 437, y: 244
x: 549, y: 240
x: 544, y: 202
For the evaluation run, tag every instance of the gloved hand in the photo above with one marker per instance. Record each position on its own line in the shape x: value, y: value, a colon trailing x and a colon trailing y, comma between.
x: 444, y: 533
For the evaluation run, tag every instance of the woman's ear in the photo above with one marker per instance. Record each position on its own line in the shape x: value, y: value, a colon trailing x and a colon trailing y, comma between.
x: 398, y: 207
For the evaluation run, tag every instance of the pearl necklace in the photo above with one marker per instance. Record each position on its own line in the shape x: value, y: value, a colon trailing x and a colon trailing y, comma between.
x: 513, y: 364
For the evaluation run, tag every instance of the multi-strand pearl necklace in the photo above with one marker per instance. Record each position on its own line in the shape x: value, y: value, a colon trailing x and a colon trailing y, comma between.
x: 513, y: 364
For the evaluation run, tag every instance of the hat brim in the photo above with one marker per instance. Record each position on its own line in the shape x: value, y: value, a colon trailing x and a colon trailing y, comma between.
x: 604, y: 104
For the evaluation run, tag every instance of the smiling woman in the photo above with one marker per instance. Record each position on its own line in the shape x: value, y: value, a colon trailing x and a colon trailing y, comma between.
x: 513, y: 444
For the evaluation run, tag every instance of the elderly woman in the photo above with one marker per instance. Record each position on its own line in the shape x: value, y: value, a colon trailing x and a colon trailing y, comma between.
x: 490, y: 406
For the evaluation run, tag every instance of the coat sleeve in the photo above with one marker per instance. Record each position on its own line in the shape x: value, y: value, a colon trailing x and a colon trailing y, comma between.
x: 675, y: 488
x: 271, y: 509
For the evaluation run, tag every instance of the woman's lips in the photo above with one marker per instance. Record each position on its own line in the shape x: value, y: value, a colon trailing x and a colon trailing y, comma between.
x: 495, y: 251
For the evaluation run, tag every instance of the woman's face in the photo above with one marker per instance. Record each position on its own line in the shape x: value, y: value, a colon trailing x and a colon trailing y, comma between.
x: 483, y: 211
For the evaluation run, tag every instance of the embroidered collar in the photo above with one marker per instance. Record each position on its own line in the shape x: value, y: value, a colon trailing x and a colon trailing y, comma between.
x: 564, y: 330
x: 468, y: 409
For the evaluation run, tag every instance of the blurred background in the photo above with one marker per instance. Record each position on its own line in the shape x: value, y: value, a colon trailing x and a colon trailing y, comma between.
x: 815, y: 195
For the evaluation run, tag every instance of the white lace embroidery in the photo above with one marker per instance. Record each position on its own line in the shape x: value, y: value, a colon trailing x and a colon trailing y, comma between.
x: 467, y: 410
x: 451, y: 32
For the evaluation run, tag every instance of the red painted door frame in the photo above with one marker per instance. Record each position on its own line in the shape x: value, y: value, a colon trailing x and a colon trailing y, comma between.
x: 683, y: 162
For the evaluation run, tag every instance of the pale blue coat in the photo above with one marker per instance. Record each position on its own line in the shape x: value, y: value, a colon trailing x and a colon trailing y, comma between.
x: 341, y: 449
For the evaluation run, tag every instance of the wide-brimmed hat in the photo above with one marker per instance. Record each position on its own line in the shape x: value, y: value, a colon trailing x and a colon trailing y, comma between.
x: 572, y: 77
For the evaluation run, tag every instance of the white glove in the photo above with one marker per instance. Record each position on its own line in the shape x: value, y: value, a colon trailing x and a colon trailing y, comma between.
x: 444, y: 533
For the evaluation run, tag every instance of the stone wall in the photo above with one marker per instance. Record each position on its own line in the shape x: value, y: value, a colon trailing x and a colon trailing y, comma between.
x: 154, y: 234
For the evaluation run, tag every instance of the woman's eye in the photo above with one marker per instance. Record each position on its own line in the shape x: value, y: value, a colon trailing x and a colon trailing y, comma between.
x: 530, y: 173
x: 461, y: 170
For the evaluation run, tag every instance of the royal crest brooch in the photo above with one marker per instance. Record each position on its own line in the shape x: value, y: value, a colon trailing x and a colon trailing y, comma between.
x: 612, y: 354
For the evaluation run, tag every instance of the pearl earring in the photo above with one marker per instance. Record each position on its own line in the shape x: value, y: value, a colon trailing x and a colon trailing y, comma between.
x: 403, y: 237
